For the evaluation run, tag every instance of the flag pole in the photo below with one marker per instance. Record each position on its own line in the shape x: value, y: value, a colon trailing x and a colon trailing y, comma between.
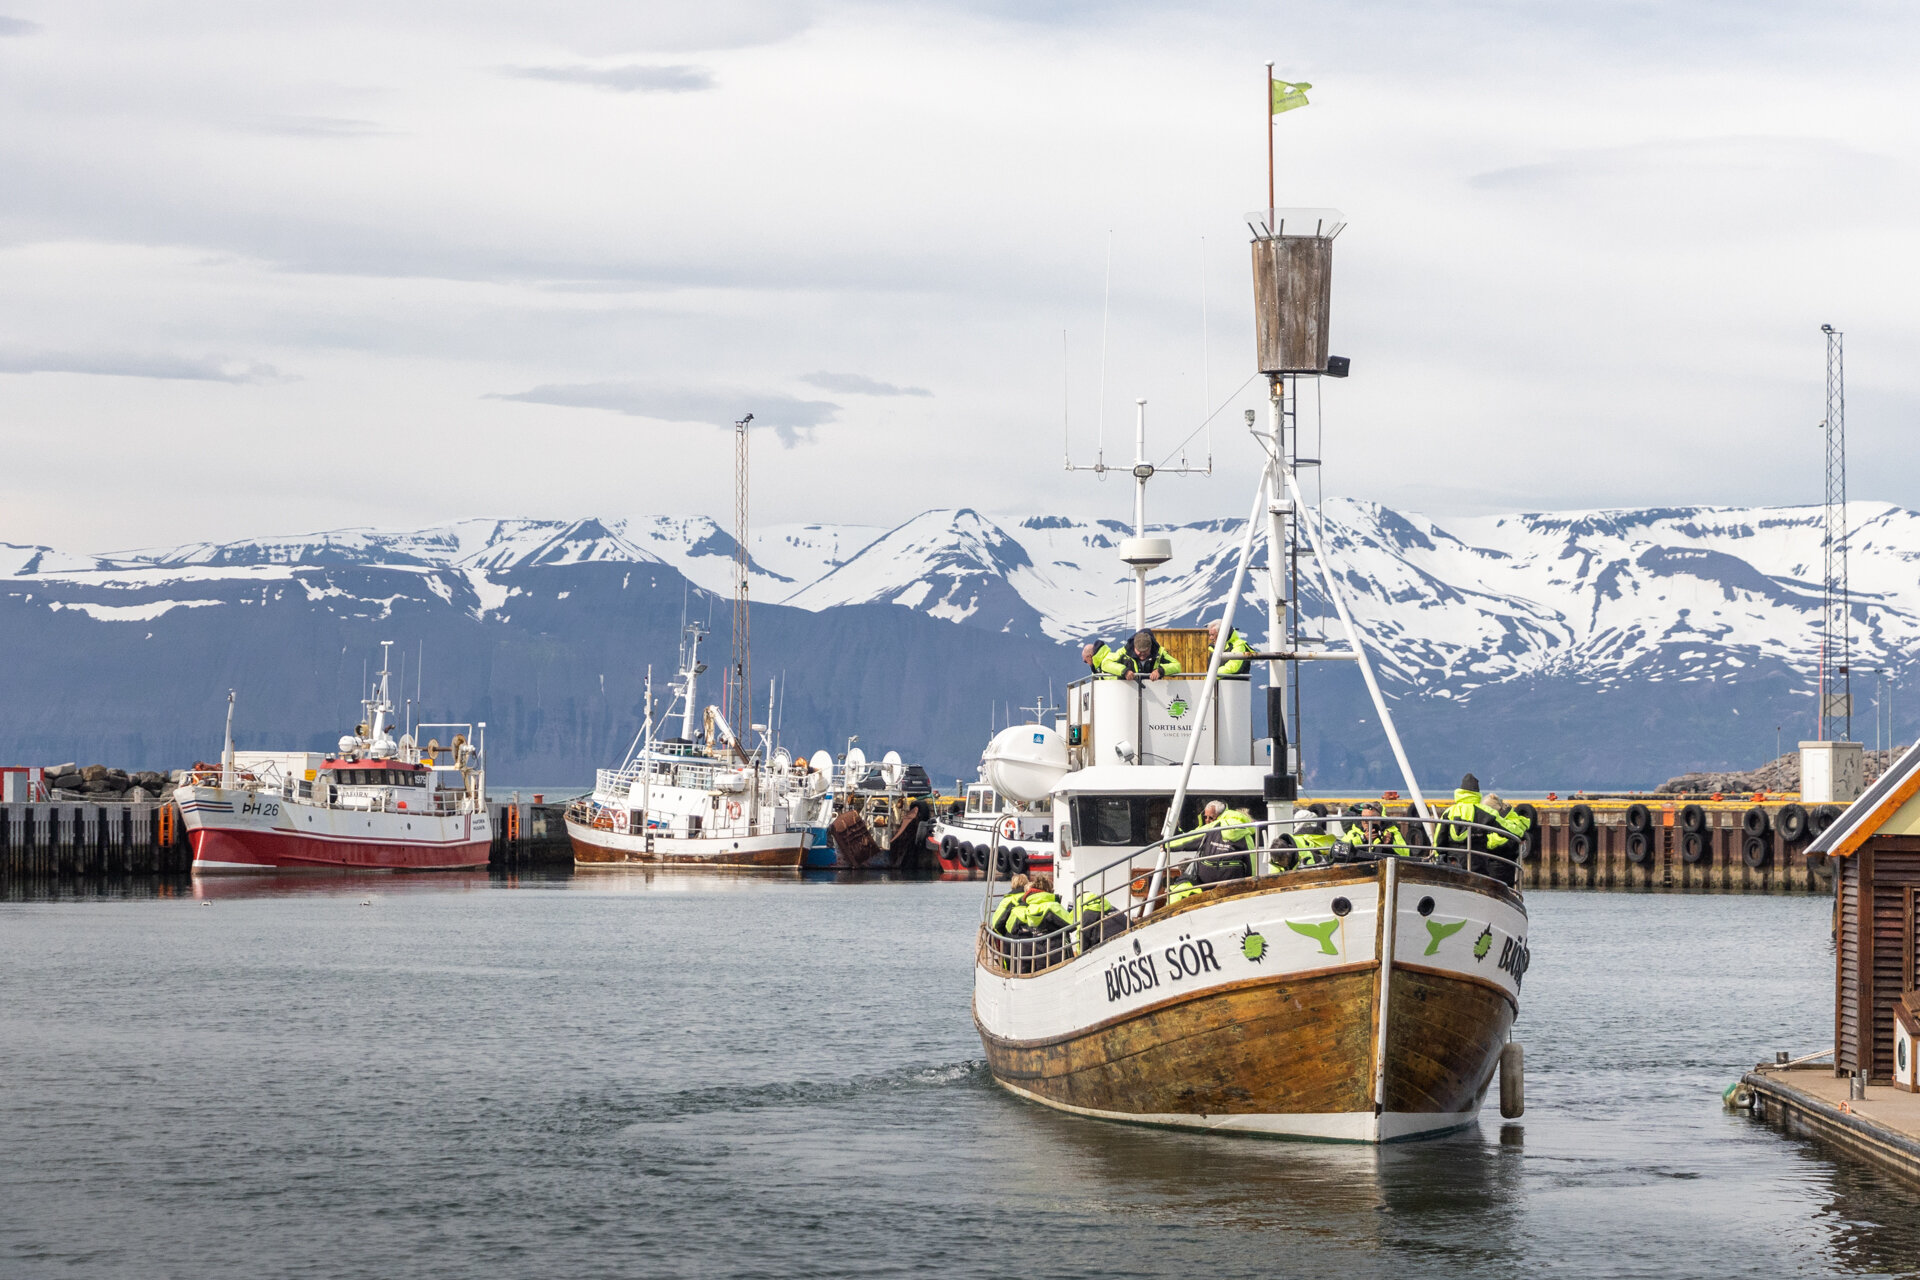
x: 1269, y: 139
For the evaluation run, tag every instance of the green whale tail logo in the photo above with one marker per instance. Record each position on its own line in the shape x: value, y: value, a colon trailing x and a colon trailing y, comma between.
x: 1439, y: 933
x: 1320, y: 933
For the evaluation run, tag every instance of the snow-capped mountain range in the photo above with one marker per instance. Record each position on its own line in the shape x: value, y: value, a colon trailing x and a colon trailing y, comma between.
x: 1461, y: 611
x: 1450, y: 606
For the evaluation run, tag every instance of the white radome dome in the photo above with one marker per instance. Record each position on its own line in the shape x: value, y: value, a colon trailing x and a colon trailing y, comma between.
x: 1025, y: 762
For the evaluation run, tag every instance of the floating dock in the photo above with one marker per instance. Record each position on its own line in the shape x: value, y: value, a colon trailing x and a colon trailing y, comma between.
x: 1811, y: 1101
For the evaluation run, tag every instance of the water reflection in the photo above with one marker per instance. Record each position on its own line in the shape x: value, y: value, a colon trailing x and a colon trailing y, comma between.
x: 90, y: 888
x: 1457, y: 1195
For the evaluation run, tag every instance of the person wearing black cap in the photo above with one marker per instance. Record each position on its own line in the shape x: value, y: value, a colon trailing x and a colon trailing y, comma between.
x: 1496, y: 829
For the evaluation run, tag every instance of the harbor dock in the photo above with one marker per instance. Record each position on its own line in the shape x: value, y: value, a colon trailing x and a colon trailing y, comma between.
x: 1622, y: 844
x: 1677, y: 843
x: 1882, y: 1128
x: 84, y: 839
x: 1865, y: 1098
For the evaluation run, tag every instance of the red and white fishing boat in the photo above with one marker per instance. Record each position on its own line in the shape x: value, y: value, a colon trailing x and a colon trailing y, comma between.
x: 380, y: 804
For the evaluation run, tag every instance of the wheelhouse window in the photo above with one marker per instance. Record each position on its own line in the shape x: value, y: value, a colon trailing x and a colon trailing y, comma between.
x: 1138, y: 820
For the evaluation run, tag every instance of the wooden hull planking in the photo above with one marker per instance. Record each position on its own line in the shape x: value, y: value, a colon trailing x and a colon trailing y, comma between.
x: 1283, y: 1054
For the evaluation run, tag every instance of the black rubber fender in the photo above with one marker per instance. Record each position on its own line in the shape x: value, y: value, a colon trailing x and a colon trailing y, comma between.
x: 1693, y: 819
x: 1696, y: 847
x: 1017, y: 859
x: 1580, y: 819
x: 1792, y: 820
x: 1756, y: 851
x: 1639, y: 817
x: 1580, y: 848
x: 1530, y: 843
x: 1755, y: 822
x: 1639, y: 847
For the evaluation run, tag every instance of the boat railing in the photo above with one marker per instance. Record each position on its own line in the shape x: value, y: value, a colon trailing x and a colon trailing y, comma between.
x: 672, y: 773
x: 1113, y: 900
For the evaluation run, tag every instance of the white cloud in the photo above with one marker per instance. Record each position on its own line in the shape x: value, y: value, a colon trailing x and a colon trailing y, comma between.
x: 1590, y: 248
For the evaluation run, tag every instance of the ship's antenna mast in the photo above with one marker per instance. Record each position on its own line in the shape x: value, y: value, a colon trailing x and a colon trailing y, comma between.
x: 1140, y: 551
x: 1836, y: 683
x: 742, y: 659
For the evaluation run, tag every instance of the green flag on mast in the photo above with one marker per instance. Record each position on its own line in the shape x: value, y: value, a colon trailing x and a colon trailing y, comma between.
x: 1287, y: 96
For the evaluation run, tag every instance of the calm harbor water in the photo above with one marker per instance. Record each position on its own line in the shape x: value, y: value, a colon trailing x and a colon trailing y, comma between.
x: 624, y: 1075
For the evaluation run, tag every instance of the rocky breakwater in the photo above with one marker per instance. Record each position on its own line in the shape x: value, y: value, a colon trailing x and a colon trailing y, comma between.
x: 1773, y: 778
x: 104, y: 785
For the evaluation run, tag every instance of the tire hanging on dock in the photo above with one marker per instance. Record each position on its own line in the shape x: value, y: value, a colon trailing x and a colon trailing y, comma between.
x: 1639, y: 817
x: 1639, y: 847
x: 1529, y: 843
x: 1580, y: 848
x: 1580, y: 820
x: 1792, y: 820
x: 1693, y: 821
x: 1696, y: 847
x: 1755, y: 822
x: 1756, y: 851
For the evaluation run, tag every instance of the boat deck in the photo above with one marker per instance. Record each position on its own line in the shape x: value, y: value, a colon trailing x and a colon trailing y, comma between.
x: 1883, y: 1128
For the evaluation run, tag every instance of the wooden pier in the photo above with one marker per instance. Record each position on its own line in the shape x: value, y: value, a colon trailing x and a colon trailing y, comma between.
x: 87, y: 840
x: 1882, y: 1128
x: 1865, y: 1099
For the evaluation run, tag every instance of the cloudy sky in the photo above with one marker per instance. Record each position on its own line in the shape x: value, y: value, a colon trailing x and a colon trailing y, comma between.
x: 268, y: 267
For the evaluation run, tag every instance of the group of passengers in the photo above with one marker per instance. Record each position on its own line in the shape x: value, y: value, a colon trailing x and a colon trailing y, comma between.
x: 1041, y: 930
x: 1478, y: 832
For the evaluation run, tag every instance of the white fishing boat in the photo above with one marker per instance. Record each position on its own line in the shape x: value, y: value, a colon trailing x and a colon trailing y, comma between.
x: 1367, y: 999
x: 700, y: 798
x: 380, y: 803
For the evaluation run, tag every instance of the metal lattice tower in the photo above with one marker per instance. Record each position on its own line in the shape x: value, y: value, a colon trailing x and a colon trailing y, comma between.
x: 741, y: 703
x: 1836, y: 692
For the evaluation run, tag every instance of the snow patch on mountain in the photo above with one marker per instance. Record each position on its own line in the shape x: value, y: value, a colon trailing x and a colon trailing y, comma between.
x: 1682, y: 593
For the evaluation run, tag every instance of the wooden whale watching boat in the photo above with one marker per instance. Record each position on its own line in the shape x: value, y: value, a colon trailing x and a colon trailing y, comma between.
x: 1361, y: 1000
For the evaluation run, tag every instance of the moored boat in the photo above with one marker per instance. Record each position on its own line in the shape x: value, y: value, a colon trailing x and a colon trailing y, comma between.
x: 702, y: 798
x: 381, y: 803
x: 1252, y: 975
x: 989, y: 831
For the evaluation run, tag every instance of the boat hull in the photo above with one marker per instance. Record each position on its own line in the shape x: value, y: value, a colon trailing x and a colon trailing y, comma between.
x: 1038, y: 854
x: 1201, y: 1028
x: 240, y: 832
x: 775, y: 851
